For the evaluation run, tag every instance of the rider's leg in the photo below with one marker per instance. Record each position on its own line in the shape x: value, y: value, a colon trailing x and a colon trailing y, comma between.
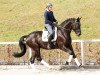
x: 49, y: 28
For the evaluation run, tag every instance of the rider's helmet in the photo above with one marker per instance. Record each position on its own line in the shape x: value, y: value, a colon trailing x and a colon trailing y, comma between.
x: 49, y: 5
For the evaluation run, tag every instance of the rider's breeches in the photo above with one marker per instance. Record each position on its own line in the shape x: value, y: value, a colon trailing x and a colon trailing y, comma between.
x: 49, y: 28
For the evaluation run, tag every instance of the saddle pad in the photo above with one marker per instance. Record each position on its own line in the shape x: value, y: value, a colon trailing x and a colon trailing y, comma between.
x: 45, y: 35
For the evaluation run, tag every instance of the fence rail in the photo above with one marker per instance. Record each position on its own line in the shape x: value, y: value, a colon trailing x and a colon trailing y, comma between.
x: 79, y: 41
x: 94, y: 40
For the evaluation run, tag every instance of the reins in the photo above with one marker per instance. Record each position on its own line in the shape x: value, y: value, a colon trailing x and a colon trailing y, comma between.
x: 63, y: 28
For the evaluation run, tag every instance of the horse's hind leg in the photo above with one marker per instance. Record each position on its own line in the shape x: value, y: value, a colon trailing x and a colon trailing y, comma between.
x: 38, y: 57
x: 32, y: 57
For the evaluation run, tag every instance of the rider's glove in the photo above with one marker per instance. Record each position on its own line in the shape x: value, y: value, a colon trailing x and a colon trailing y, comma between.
x: 55, y: 23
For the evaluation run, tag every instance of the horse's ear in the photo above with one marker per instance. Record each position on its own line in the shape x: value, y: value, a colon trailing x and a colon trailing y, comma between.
x: 78, y: 19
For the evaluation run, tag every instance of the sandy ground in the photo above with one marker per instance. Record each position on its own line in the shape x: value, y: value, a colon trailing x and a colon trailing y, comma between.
x: 41, y: 70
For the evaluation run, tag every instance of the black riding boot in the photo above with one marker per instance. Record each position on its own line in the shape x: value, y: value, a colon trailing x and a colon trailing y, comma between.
x: 50, y: 43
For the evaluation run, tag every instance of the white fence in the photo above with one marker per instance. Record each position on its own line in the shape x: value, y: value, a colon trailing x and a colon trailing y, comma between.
x: 82, y: 47
x: 80, y: 41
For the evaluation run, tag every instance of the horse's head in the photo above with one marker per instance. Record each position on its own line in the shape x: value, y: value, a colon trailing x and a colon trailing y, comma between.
x: 76, y: 26
x: 72, y: 24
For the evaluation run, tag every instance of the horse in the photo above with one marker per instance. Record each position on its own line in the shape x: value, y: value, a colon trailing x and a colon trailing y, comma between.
x: 63, y: 42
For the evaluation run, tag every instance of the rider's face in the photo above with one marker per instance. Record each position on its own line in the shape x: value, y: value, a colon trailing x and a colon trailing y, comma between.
x: 50, y: 8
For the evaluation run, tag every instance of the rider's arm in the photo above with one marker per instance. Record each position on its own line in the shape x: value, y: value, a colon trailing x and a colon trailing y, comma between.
x: 54, y: 18
x: 47, y: 18
x: 55, y: 21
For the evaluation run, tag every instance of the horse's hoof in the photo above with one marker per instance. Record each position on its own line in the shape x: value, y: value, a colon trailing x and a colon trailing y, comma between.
x: 50, y: 68
x: 67, y: 63
x: 80, y: 65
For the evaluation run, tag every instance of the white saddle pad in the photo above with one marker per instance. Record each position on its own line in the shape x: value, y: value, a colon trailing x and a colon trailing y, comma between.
x: 45, y: 35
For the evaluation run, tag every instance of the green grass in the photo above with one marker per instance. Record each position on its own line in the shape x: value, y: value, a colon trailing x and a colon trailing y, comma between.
x: 20, y: 17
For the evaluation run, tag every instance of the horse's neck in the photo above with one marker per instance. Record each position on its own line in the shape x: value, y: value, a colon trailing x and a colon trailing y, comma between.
x: 65, y: 33
x: 68, y: 26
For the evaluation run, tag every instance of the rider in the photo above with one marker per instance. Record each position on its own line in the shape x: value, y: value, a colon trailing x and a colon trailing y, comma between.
x: 50, y: 21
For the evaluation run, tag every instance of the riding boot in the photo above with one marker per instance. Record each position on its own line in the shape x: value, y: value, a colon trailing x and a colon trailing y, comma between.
x: 50, y: 44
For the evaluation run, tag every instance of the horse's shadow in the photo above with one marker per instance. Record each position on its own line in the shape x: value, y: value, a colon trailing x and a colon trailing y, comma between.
x: 65, y: 67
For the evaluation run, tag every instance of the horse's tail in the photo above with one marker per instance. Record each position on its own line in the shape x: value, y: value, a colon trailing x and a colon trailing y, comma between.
x: 22, y: 46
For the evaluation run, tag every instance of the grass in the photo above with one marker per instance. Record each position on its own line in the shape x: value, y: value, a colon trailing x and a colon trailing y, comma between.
x: 20, y: 17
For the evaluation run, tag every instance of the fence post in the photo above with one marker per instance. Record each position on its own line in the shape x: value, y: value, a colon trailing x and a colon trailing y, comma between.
x: 82, y: 51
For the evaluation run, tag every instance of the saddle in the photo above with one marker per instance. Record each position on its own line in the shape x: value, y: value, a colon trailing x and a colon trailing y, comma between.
x: 45, y: 35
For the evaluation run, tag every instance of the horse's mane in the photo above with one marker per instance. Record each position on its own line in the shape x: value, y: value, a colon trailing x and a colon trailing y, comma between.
x: 67, y: 20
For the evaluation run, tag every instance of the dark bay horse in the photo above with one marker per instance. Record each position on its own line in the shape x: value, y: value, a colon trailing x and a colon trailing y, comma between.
x: 63, y: 42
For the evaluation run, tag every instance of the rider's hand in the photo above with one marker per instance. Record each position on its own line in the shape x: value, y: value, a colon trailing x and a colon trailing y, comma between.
x: 55, y: 23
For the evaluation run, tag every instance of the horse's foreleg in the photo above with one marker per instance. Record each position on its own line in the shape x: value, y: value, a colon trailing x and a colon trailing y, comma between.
x: 70, y: 56
x: 69, y: 60
x: 64, y: 48
x: 74, y: 56
x: 75, y: 59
